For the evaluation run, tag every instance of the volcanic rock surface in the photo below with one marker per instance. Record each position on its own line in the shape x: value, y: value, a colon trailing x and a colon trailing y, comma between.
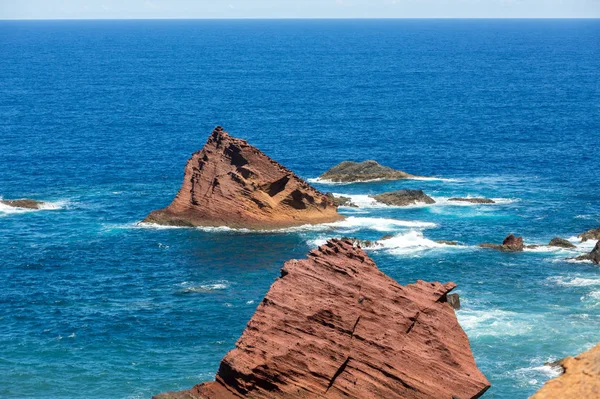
x: 593, y: 234
x: 23, y: 203
x: 231, y: 183
x: 404, y: 198
x: 581, y: 378
x: 510, y: 244
x: 474, y: 200
x: 349, y: 171
x: 341, y: 200
x: 594, y: 256
x: 561, y: 243
x: 334, y: 326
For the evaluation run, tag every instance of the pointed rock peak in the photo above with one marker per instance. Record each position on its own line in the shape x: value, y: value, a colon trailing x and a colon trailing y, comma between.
x: 231, y: 183
x: 334, y: 326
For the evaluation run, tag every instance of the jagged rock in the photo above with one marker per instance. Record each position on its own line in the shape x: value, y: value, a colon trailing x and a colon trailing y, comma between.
x: 446, y: 242
x: 560, y: 242
x: 231, y: 183
x: 360, y: 243
x: 23, y: 203
x: 510, y: 244
x: 580, y: 379
x: 474, y: 200
x: 454, y: 301
x: 403, y: 198
x: 341, y: 200
x: 593, y: 234
x: 334, y: 326
x: 349, y: 171
x: 594, y: 256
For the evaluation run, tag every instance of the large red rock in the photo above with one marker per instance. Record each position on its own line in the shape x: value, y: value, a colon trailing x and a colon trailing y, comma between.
x: 231, y: 183
x: 334, y: 326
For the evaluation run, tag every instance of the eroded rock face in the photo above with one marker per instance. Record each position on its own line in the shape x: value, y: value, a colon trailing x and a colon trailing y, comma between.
x: 560, y: 242
x: 581, y: 378
x: 231, y: 183
x: 349, y: 171
x: 593, y: 234
x: 510, y: 244
x: 594, y: 256
x: 23, y: 203
x: 334, y: 326
x: 404, y: 198
x: 474, y: 200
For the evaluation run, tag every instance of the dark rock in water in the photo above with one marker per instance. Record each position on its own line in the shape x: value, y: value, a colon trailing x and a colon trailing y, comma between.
x: 360, y: 243
x: 593, y: 234
x: 510, y: 244
x: 231, y: 183
x: 403, y: 198
x: 23, y: 203
x: 341, y: 200
x: 454, y: 301
x: 594, y: 256
x: 474, y: 200
x: 560, y: 242
x: 349, y: 171
x: 334, y: 326
x: 580, y: 378
x: 386, y: 237
x: 446, y: 242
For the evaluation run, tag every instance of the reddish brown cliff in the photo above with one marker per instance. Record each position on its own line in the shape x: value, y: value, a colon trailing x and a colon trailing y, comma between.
x: 334, y: 326
x: 581, y: 378
x: 231, y: 183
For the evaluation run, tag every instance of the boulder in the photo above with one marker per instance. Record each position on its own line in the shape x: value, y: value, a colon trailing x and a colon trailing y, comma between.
x: 334, y: 326
x: 454, y: 301
x: 594, y: 256
x: 341, y: 200
x: 349, y: 171
x: 510, y: 244
x: 23, y: 203
x: 231, y: 183
x: 403, y: 198
x: 560, y: 242
x: 580, y: 379
x: 473, y: 200
x: 593, y: 234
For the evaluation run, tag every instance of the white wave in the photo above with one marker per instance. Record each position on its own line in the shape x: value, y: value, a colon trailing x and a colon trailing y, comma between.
x: 433, y: 178
x: 497, y: 201
x: 362, y: 200
x: 410, y: 242
x: 330, y: 182
x: 494, y: 322
x: 366, y: 201
x: 567, y: 281
x: 188, y: 287
x: 378, y: 224
x: 543, y: 248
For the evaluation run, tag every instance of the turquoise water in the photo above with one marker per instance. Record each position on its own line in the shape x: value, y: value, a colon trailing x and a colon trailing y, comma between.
x: 99, y: 118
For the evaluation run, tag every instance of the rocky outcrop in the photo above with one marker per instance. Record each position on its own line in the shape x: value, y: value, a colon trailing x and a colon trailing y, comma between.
x: 334, y: 326
x: 447, y: 242
x: 341, y: 200
x: 593, y: 234
x: 473, y: 200
x: 454, y: 301
x: 561, y: 243
x: 23, y: 203
x: 349, y: 171
x: 581, y: 378
x: 593, y: 256
x: 404, y: 198
x: 231, y: 183
x: 510, y: 244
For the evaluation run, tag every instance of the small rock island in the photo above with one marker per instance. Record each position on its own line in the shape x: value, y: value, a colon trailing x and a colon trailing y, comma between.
x: 348, y: 172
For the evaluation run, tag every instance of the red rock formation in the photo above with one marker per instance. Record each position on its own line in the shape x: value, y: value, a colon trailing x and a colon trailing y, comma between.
x: 334, y: 326
x: 231, y: 183
x: 510, y: 244
x: 581, y: 378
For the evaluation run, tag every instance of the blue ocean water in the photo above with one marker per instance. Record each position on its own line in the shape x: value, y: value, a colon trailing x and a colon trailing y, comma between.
x: 99, y: 118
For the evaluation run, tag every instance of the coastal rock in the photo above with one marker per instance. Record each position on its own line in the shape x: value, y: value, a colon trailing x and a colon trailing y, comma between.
x: 403, y: 198
x: 446, y: 242
x: 361, y: 243
x: 334, y: 326
x: 231, y: 183
x: 510, y: 244
x: 581, y: 378
x: 594, y: 256
x: 560, y: 242
x: 593, y: 234
x: 349, y: 171
x: 454, y: 301
x: 23, y: 203
x: 341, y: 200
x: 473, y: 200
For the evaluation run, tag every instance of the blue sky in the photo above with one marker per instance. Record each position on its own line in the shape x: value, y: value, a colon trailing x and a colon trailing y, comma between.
x: 48, y: 9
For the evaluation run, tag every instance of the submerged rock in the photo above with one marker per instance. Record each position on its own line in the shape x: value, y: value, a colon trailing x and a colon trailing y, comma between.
x: 341, y: 200
x: 593, y: 234
x: 594, y: 256
x: 231, y: 183
x: 334, y: 326
x: 580, y: 379
x: 403, y: 198
x: 23, y: 203
x: 473, y: 200
x: 510, y: 244
x: 349, y: 171
x: 560, y: 242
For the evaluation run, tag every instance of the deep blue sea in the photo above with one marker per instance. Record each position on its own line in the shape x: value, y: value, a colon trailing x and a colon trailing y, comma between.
x: 99, y: 118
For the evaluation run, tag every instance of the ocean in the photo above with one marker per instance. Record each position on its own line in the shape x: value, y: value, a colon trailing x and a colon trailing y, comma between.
x: 98, y: 118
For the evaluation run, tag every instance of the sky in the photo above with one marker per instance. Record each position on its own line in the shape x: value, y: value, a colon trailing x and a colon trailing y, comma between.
x: 134, y: 9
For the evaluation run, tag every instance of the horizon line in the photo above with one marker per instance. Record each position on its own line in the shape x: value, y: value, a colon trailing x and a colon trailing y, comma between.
x: 292, y: 18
